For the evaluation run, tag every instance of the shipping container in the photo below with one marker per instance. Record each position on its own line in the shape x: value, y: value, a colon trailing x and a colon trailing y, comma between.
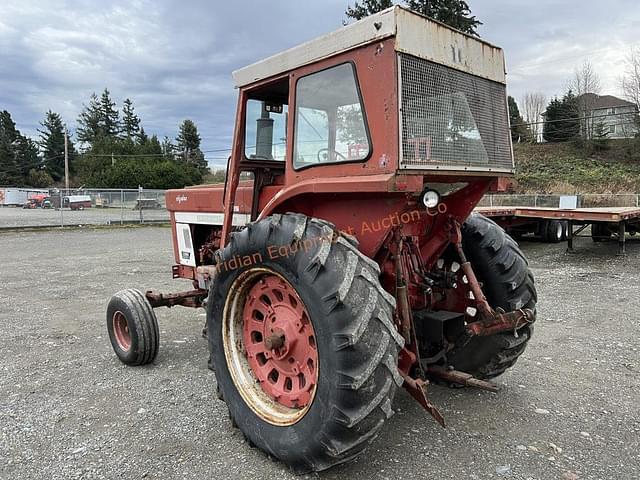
x: 18, y: 196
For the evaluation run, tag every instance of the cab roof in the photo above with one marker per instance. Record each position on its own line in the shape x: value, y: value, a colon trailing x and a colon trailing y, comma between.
x: 414, y: 34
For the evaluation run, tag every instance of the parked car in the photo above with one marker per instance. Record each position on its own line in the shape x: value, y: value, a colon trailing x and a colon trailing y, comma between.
x: 77, y: 202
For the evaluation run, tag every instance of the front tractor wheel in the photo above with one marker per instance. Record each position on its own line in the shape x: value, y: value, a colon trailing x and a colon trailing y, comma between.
x: 133, y: 327
x: 303, y: 342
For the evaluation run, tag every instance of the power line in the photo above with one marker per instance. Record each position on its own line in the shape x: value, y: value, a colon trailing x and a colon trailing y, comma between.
x: 218, y: 150
x: 89, y: 154
x: 54, y: 157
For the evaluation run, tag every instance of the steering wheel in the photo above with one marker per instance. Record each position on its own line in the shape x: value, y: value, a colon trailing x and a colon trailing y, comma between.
x: 338, y: 155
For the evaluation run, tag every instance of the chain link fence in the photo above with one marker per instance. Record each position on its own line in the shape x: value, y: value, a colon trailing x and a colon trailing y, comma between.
x: 89, y: 207
x: 139, y: 206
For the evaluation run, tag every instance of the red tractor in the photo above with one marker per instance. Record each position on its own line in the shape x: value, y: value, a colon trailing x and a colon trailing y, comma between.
x: 341, y: 259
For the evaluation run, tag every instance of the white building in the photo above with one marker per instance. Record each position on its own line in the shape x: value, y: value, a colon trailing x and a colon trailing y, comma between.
x: 617, y: 116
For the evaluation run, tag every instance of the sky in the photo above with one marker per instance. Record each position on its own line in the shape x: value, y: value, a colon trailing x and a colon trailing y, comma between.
x: 174, y: 58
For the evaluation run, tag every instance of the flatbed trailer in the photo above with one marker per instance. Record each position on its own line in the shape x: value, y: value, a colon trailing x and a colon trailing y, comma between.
x: 605, y: 222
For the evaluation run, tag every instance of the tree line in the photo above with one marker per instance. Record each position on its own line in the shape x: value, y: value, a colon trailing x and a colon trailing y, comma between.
x: 110, y: 149
x: 115, y: 151
x: 571, y: 116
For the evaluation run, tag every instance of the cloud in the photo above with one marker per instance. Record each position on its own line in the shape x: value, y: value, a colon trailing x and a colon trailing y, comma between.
x: 545, y: 41
x: 174, y: 58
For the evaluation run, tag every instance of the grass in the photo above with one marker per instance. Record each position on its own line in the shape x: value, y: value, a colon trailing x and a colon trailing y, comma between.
x: 568, y: 168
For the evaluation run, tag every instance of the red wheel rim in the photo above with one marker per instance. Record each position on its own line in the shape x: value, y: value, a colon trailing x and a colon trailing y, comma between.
x: 280, y: 342
x: 121, y: 331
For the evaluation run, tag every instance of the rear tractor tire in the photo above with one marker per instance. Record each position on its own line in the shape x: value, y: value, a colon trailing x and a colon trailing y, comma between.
x: 303, y: 342
x: 508, y: 283
x: 133, y: 327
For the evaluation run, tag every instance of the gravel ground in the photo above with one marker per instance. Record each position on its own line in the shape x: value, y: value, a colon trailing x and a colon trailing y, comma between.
x: 69, y: 409
x: 11, y: 217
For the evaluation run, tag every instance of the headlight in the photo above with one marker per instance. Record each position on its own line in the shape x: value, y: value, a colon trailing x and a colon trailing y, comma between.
x: 430, y: 198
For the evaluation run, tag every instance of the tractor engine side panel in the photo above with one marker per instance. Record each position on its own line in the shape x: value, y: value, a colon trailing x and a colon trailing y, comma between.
x: 196, y: 214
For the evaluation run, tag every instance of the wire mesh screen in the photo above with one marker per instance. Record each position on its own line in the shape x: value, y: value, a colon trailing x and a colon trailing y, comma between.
x: 452, y: 118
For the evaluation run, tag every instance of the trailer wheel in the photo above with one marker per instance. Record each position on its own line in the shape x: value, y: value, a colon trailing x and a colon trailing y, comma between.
x: 133, y: 327
x: 507, y: 283
x: 543, y: 230
x: 303, y: 342
x: 555, y: 231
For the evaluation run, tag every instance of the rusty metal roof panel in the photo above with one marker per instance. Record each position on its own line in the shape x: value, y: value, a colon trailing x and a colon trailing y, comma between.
x: 424, y: 38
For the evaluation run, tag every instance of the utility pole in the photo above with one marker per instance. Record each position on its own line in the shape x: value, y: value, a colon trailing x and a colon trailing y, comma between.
x: 66, y: 160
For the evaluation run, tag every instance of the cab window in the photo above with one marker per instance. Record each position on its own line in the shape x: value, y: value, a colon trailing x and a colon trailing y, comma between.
x: 266, y: 122
x: 330, y: 123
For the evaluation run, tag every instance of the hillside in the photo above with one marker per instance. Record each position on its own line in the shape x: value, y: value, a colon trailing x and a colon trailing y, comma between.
x: 566, y: 168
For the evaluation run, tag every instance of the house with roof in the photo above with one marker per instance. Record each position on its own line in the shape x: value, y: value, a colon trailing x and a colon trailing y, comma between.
x: 618, y: 117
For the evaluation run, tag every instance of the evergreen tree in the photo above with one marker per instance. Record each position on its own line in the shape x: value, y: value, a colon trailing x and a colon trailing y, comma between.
x: 52, y: 145
x: 150, y: 146
x: 600, y: 136
x: 89, y: 127
x: 131, y: 157
x: 168, y: 148
x: 142, y: 137
x: 9, y: 166
x: 18, y: 154
x: 99, y: 119
x: 188, y: 145
x: 39, y: 179
x: 27, y: 155
x: 188, y: 138
x: 109, y: 116
x: 130, y: 121
x: 365, y: 8
x: 561, y: 121
x: 153, y: 145
x: 519, y: 131
x: 455, y: 13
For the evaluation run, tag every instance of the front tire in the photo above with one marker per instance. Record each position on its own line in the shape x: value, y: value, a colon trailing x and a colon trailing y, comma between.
x: 507, y: 283
x: 132, y: 327
x: 330, y: 292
